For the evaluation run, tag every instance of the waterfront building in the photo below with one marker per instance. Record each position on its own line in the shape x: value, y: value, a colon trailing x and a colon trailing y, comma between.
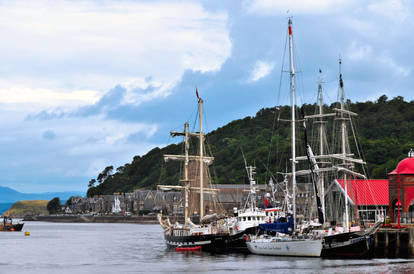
x: 401, y: 190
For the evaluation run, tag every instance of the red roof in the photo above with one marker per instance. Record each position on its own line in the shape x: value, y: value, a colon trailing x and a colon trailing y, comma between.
x: 406, y: 166
x: 367, y: 192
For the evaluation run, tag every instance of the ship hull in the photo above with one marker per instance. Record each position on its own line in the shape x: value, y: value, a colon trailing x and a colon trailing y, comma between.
x: 348, y: 245
x: 13, y: 227
x: 294, y: 248
x: 208, y: 242
x: 237, y: 242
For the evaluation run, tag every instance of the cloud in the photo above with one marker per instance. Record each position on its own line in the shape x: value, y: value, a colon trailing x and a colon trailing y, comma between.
x: 396, y: 10
x: 393, y: 66
x: 34, y: 99
x: 295, y: 7
x: 260, y: 69
x: 358, y: 52
x: 80, y: 49
x: 80, y: 147
x: 49, y: 135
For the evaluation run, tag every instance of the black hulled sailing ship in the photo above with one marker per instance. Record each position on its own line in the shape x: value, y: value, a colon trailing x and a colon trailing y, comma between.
x: 340, y: 241
x: 356, y: 241
x: 202, y: 232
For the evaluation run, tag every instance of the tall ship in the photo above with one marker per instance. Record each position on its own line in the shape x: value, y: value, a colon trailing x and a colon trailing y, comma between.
x: 355, y: 238
x: 199, y: 231
x: 288, y: 238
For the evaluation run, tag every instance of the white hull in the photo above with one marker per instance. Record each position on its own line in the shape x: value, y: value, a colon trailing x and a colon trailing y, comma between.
x: 300, y: 248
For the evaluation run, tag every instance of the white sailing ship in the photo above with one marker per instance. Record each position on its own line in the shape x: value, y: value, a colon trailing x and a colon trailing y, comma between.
x: 307, y: 243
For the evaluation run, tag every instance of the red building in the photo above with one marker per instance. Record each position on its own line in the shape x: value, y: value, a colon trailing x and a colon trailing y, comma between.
x: 401, y: 190
x: 367, y: 197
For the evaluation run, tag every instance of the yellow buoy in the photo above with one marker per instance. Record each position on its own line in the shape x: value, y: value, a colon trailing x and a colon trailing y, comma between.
x: 27, y: 233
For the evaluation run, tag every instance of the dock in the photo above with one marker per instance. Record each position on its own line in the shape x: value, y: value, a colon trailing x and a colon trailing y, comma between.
x: 391, y: 242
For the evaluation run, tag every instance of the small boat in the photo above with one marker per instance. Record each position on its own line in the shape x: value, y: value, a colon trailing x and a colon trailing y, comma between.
x: 284, y: 245
x: 188, y: 249
x: 11, y: 227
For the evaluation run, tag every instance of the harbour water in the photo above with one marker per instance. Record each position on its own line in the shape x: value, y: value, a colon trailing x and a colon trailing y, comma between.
x: 134, y: 248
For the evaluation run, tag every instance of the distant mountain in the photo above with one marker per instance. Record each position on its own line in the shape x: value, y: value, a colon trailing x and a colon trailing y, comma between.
x: 9, y: 195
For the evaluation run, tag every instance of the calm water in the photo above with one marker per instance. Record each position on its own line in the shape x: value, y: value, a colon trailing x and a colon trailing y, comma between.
x: 132, y: 248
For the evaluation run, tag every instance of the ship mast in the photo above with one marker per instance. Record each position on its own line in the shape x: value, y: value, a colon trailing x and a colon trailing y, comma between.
x: 201, y: 141
x: 187, y: 158
x: 293, y: 104
x: 186, y: 181
x: 251, y: 172
x: 321, y: 134
x: 343, y: 135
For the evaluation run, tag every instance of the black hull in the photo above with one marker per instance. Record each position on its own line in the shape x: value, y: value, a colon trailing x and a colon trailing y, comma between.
x: 208, y: 242
x: 237, y: 242
x: 216, y: 243
x: 348, y: 245
x: 14, y: 227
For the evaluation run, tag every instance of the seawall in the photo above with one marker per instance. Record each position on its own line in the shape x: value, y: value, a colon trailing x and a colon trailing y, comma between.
x: 94, y: 219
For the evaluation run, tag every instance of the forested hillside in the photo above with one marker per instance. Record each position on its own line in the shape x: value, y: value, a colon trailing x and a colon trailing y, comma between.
x: 385, y: 131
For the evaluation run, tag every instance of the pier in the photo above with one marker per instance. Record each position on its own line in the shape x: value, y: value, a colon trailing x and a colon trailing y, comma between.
x: 394, y: 243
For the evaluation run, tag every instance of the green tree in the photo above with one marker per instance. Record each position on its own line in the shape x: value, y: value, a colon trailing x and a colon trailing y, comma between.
x: 91, y: 183
x: 53, y: 206
x: 105, y: 174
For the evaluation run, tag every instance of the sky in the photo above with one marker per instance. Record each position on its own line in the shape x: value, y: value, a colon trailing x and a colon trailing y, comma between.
x: 87, y: 84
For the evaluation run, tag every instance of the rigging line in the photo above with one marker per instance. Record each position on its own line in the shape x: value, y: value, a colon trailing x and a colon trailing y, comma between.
x: 365, y: 170
x: 276, y: 183
x: 277, y: 109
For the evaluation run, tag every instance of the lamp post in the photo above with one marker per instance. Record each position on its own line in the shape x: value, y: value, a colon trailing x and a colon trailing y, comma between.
x: 399, y: 202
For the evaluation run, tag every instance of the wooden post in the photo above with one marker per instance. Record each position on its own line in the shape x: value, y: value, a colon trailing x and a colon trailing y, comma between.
x: 411, y: 242
x: 397, y: 247
x: 386, y: 244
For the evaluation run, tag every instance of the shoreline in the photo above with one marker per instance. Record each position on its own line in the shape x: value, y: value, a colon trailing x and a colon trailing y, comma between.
x: 94, y: 219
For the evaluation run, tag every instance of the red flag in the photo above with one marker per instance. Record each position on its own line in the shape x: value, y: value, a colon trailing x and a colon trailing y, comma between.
x: 266, y: 202
x: 197, y: 94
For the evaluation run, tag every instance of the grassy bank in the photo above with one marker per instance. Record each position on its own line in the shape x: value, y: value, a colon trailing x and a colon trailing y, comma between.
x: 23, y: 208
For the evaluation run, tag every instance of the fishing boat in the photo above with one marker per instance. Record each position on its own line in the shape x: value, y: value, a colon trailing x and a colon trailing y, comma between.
x: 247, y: 220
x: 286, y: 238
x: 206, y: 232
x: 9, y: 226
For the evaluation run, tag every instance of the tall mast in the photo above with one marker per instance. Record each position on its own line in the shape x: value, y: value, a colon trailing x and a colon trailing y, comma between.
x: 186, y: 181
x: 343, y: 133
x: 201, y: 139
x: 293, y: 104
x: 251, y: 171
x: 321, y: 131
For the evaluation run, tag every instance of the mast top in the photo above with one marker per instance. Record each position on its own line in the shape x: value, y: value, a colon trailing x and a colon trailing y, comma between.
x: 290, y: 26
x: 198, y: 97
x: 341, y: 82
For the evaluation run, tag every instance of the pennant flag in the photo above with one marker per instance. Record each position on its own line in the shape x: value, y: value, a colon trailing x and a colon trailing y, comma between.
x: 197, y: 94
